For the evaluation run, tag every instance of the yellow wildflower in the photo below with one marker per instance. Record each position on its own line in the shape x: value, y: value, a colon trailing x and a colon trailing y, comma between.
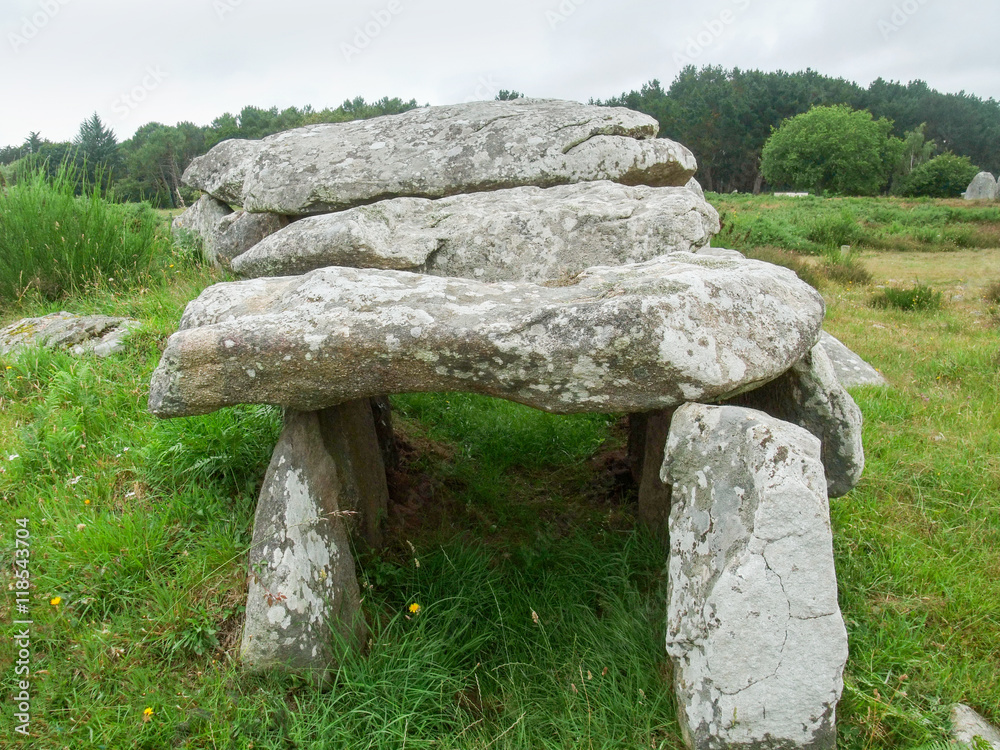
x: 55, y: 601
x: 414, y: 608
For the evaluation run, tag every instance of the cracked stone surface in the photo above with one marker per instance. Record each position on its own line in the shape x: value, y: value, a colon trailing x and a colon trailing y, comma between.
x: 434, y: 152
x: 754, y: 630
x: 520, y: 234
x: 811, y: 396
x: 851, y: 370
x: 303, y: 585
x: 222, y: 232
x: 627, y: 338
x: 99, y: 335
x: 201, y: 223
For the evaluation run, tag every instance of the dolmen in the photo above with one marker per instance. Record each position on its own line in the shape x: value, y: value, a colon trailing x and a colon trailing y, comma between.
x: 557, y: 255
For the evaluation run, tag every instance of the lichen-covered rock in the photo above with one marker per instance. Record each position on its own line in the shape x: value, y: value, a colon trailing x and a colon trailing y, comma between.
x: 627, y: 338
x: 982, y: 188
x: 852, y: 371
x: 753, y: 626
x: 522, y: 234
x: 967, y: 726
x: 810, y: 396
x: 303, y: 585
x: 201, y: 222
x: 434, y: 152
x: 240, y: 231
x: 99, y: 335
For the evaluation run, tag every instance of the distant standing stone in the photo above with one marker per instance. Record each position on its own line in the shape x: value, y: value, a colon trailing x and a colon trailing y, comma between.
x: 982, y: 187
x: 754, y: 629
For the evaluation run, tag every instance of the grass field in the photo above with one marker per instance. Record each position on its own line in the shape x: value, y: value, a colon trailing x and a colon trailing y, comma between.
x: 542, y: 607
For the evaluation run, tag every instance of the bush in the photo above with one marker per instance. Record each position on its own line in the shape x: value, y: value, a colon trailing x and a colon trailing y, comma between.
x: 944, y: 176
x: 834, y: 149
x: 54, y: 241
x: 845, y: 269
x: 917, y: 297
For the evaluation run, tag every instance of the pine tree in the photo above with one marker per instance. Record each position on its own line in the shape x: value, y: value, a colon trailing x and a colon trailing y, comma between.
x: 97, y: 149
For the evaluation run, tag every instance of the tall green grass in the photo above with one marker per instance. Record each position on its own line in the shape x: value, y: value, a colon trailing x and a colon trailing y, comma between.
x: 54, y: 241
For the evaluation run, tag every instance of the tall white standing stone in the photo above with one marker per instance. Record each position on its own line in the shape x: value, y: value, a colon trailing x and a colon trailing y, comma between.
x: 753, y: 625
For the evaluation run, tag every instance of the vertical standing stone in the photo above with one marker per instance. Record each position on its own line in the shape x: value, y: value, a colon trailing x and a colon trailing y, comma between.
x: 810, y: 396
x: 753, y: 625
x: 303, y: 604
x: 648, y: 436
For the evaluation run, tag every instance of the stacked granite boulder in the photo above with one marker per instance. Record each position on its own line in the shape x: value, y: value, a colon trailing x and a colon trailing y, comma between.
x: 553, y: 254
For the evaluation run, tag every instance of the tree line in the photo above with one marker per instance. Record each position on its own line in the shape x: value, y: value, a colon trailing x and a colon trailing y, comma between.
x: 724, y: 116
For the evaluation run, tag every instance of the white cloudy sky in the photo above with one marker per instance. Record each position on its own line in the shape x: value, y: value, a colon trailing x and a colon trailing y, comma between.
x: 195, y: 59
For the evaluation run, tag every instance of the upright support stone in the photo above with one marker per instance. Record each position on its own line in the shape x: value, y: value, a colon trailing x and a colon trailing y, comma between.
x: 753, y: 625
x: 650, y: 432
x: 811, y: 396
x: 325, y: 468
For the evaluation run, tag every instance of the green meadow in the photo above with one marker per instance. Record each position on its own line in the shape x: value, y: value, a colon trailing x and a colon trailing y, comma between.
x: 541, y: 603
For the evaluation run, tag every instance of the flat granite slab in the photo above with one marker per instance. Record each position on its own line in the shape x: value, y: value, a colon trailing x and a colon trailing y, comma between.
x: 627, y: 338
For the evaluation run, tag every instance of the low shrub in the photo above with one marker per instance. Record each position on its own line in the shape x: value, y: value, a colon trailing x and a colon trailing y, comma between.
x: 916, y: 297
x: 845, y: 269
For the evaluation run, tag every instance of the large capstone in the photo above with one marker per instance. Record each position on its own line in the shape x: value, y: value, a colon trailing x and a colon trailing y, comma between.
x: 754, y: 630
x: 627, y: 338
x: 303, y: 605
x: 521, y: 234
x: 811, y: 396
x: 434, y: 152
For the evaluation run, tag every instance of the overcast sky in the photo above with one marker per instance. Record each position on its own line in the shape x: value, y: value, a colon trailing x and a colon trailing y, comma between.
x: 134, y: 62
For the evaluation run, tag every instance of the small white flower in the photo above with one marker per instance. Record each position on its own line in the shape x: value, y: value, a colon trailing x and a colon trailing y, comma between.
x: 74, y: 480
x: 81, y: 526
x: 130, y: 494
x: 12, y: 456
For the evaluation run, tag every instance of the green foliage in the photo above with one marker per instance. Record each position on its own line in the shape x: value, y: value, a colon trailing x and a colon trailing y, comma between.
x: 916, y: 297
x: 833, y: 149
x: 944, y: 176
x: 505, y: 95
x: 816, y: 225
x: 726, y: 116
x: 97, y: 152
x: 846, y: 269
x: 54, y: 242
